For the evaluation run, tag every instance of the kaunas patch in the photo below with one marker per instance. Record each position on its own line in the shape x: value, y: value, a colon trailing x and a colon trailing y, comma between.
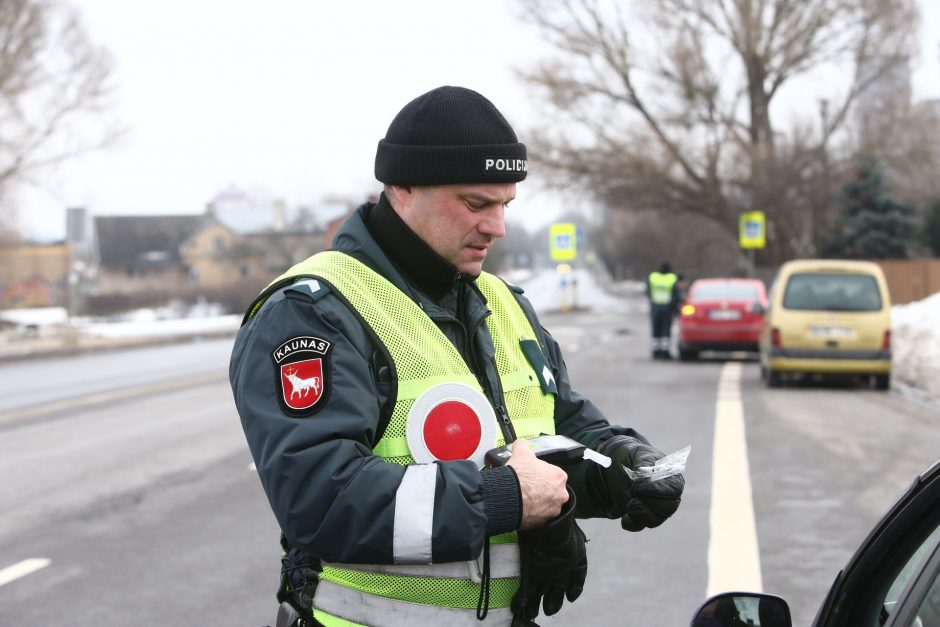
x: 302, y: 370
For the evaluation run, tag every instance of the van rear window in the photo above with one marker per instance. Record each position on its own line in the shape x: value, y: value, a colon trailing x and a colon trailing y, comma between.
x: 832, y: 292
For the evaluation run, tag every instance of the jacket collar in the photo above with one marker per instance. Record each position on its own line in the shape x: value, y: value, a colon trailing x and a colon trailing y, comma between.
x: 421, y: 266
x: 356, y: 237
x: 463, y: 301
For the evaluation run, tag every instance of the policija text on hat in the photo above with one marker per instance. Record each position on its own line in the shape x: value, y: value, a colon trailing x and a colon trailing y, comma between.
x: 371, y: 379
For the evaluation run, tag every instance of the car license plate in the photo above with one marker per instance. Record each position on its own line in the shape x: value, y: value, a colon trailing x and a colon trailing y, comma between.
x: 826, y: 331
x: 724, y: 314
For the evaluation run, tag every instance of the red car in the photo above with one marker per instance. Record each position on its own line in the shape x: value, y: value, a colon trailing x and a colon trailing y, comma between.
x: 722, y: 314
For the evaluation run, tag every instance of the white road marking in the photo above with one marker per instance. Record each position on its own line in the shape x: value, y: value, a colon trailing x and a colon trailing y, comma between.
x: 21, y: 569
x: 733, y: 555
x: 252, y: 467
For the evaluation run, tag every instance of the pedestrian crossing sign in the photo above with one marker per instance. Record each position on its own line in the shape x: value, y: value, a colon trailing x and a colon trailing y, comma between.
x: 752, y: 230
x: 563, y: 241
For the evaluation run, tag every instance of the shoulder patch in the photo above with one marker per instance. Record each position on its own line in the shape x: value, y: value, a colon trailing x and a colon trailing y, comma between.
x: 302, y: 374
x: 312, y: 288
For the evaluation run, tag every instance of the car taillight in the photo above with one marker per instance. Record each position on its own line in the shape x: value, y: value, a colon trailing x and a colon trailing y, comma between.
x: 886, y: 343
x: 775, y: 338
x: 688, y: 310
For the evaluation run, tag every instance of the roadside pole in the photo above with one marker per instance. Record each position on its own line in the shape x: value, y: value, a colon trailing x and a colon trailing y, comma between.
x: 563, y: 248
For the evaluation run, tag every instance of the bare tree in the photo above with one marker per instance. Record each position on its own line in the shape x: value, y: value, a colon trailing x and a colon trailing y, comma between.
x: 632, y: 243
x: 908, y: 144
x: 683, y: 123
x: 52, y: 78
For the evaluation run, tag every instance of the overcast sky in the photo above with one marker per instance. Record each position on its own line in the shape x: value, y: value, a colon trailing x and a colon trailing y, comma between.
x: 288, y: 98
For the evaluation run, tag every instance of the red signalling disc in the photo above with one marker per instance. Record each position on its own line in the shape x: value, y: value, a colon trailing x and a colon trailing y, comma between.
x: 448, y: 422
x: 452, y: 431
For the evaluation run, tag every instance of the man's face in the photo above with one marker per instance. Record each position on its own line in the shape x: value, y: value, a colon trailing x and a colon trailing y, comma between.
x: 460, y: 222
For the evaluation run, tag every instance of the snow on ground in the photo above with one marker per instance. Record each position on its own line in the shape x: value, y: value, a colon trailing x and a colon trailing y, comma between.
x: 154, y: 327
x: 163, y: 321
x: 915, y: 327
x: 549, y: 291
x: 38, y: 316
x: 915, y: 344
x: 159, y: 322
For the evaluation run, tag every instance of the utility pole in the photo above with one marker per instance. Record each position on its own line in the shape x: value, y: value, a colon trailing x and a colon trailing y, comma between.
x: 821, y: 206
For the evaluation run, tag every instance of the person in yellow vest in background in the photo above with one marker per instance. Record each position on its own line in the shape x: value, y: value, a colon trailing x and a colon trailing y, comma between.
x: 663, y: 291
x: 372, y: 379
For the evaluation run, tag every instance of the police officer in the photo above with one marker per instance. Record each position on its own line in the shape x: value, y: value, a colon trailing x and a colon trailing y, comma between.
x: 371, y: 379
x: 663, y: 291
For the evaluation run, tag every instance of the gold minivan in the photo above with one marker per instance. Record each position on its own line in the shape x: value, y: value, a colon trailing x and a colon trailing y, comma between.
x: 828, y: 316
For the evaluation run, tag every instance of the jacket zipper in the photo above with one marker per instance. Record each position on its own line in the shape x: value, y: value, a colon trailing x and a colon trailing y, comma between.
x: 496, y: 396
x: 509, y: 434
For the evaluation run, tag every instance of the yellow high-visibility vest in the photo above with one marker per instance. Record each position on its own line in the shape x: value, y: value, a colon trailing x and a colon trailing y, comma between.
x: 424, y: 593
x: 660, y: 285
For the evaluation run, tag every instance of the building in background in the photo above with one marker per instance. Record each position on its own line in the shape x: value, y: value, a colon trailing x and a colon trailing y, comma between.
x: 107, y: 262
x: 33, y: 275
x: 253, y: 213
x: 170, y: 253
x: 244, y: 213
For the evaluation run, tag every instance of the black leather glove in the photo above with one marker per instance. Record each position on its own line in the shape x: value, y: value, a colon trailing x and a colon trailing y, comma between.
x: 641, y: 503
x: 554, y: 564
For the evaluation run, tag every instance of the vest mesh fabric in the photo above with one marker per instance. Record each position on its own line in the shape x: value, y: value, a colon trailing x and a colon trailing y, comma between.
x: 661, y: 287
x: 530, y: 409
x: 459, y: 593
x: 421, y: 359
x: 423, y: 356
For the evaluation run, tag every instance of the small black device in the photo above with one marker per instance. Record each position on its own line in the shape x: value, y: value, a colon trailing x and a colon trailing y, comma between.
x: 554, y: 449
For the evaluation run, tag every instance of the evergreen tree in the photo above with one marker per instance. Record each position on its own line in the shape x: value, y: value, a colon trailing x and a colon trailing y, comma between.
x: 932, y: 228
x: 871, y: 224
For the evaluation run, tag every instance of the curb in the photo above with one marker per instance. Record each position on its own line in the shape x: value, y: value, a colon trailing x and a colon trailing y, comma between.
x: 81, y: 345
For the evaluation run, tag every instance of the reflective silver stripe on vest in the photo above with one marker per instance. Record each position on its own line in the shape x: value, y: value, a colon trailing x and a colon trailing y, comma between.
x: 366, y: 609
x: 504, y: 563
x: 414, y: 515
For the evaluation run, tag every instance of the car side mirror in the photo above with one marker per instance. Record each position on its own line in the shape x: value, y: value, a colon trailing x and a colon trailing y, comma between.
x: 743, y: 609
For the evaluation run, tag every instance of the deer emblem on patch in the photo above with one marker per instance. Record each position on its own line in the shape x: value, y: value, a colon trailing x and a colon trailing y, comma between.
x: 303, y: 382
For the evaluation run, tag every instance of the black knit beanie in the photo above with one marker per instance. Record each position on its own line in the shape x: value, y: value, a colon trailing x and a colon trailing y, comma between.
x: 446, y: 136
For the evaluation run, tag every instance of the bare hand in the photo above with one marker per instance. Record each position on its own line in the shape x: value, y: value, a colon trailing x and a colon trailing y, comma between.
x: 542, y: 484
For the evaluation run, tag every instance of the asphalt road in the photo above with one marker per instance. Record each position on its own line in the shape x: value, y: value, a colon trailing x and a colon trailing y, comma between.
x: 128, y: 472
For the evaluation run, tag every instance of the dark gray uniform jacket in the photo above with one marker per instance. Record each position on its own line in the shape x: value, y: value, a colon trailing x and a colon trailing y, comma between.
x: 331, y: 496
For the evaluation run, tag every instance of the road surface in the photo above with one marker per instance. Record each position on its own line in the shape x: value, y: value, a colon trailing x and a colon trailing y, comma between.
x: 129, y: 494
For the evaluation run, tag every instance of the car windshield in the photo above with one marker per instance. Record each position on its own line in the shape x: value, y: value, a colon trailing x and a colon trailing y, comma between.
x: 725, y: 291
x: 820, y: 291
